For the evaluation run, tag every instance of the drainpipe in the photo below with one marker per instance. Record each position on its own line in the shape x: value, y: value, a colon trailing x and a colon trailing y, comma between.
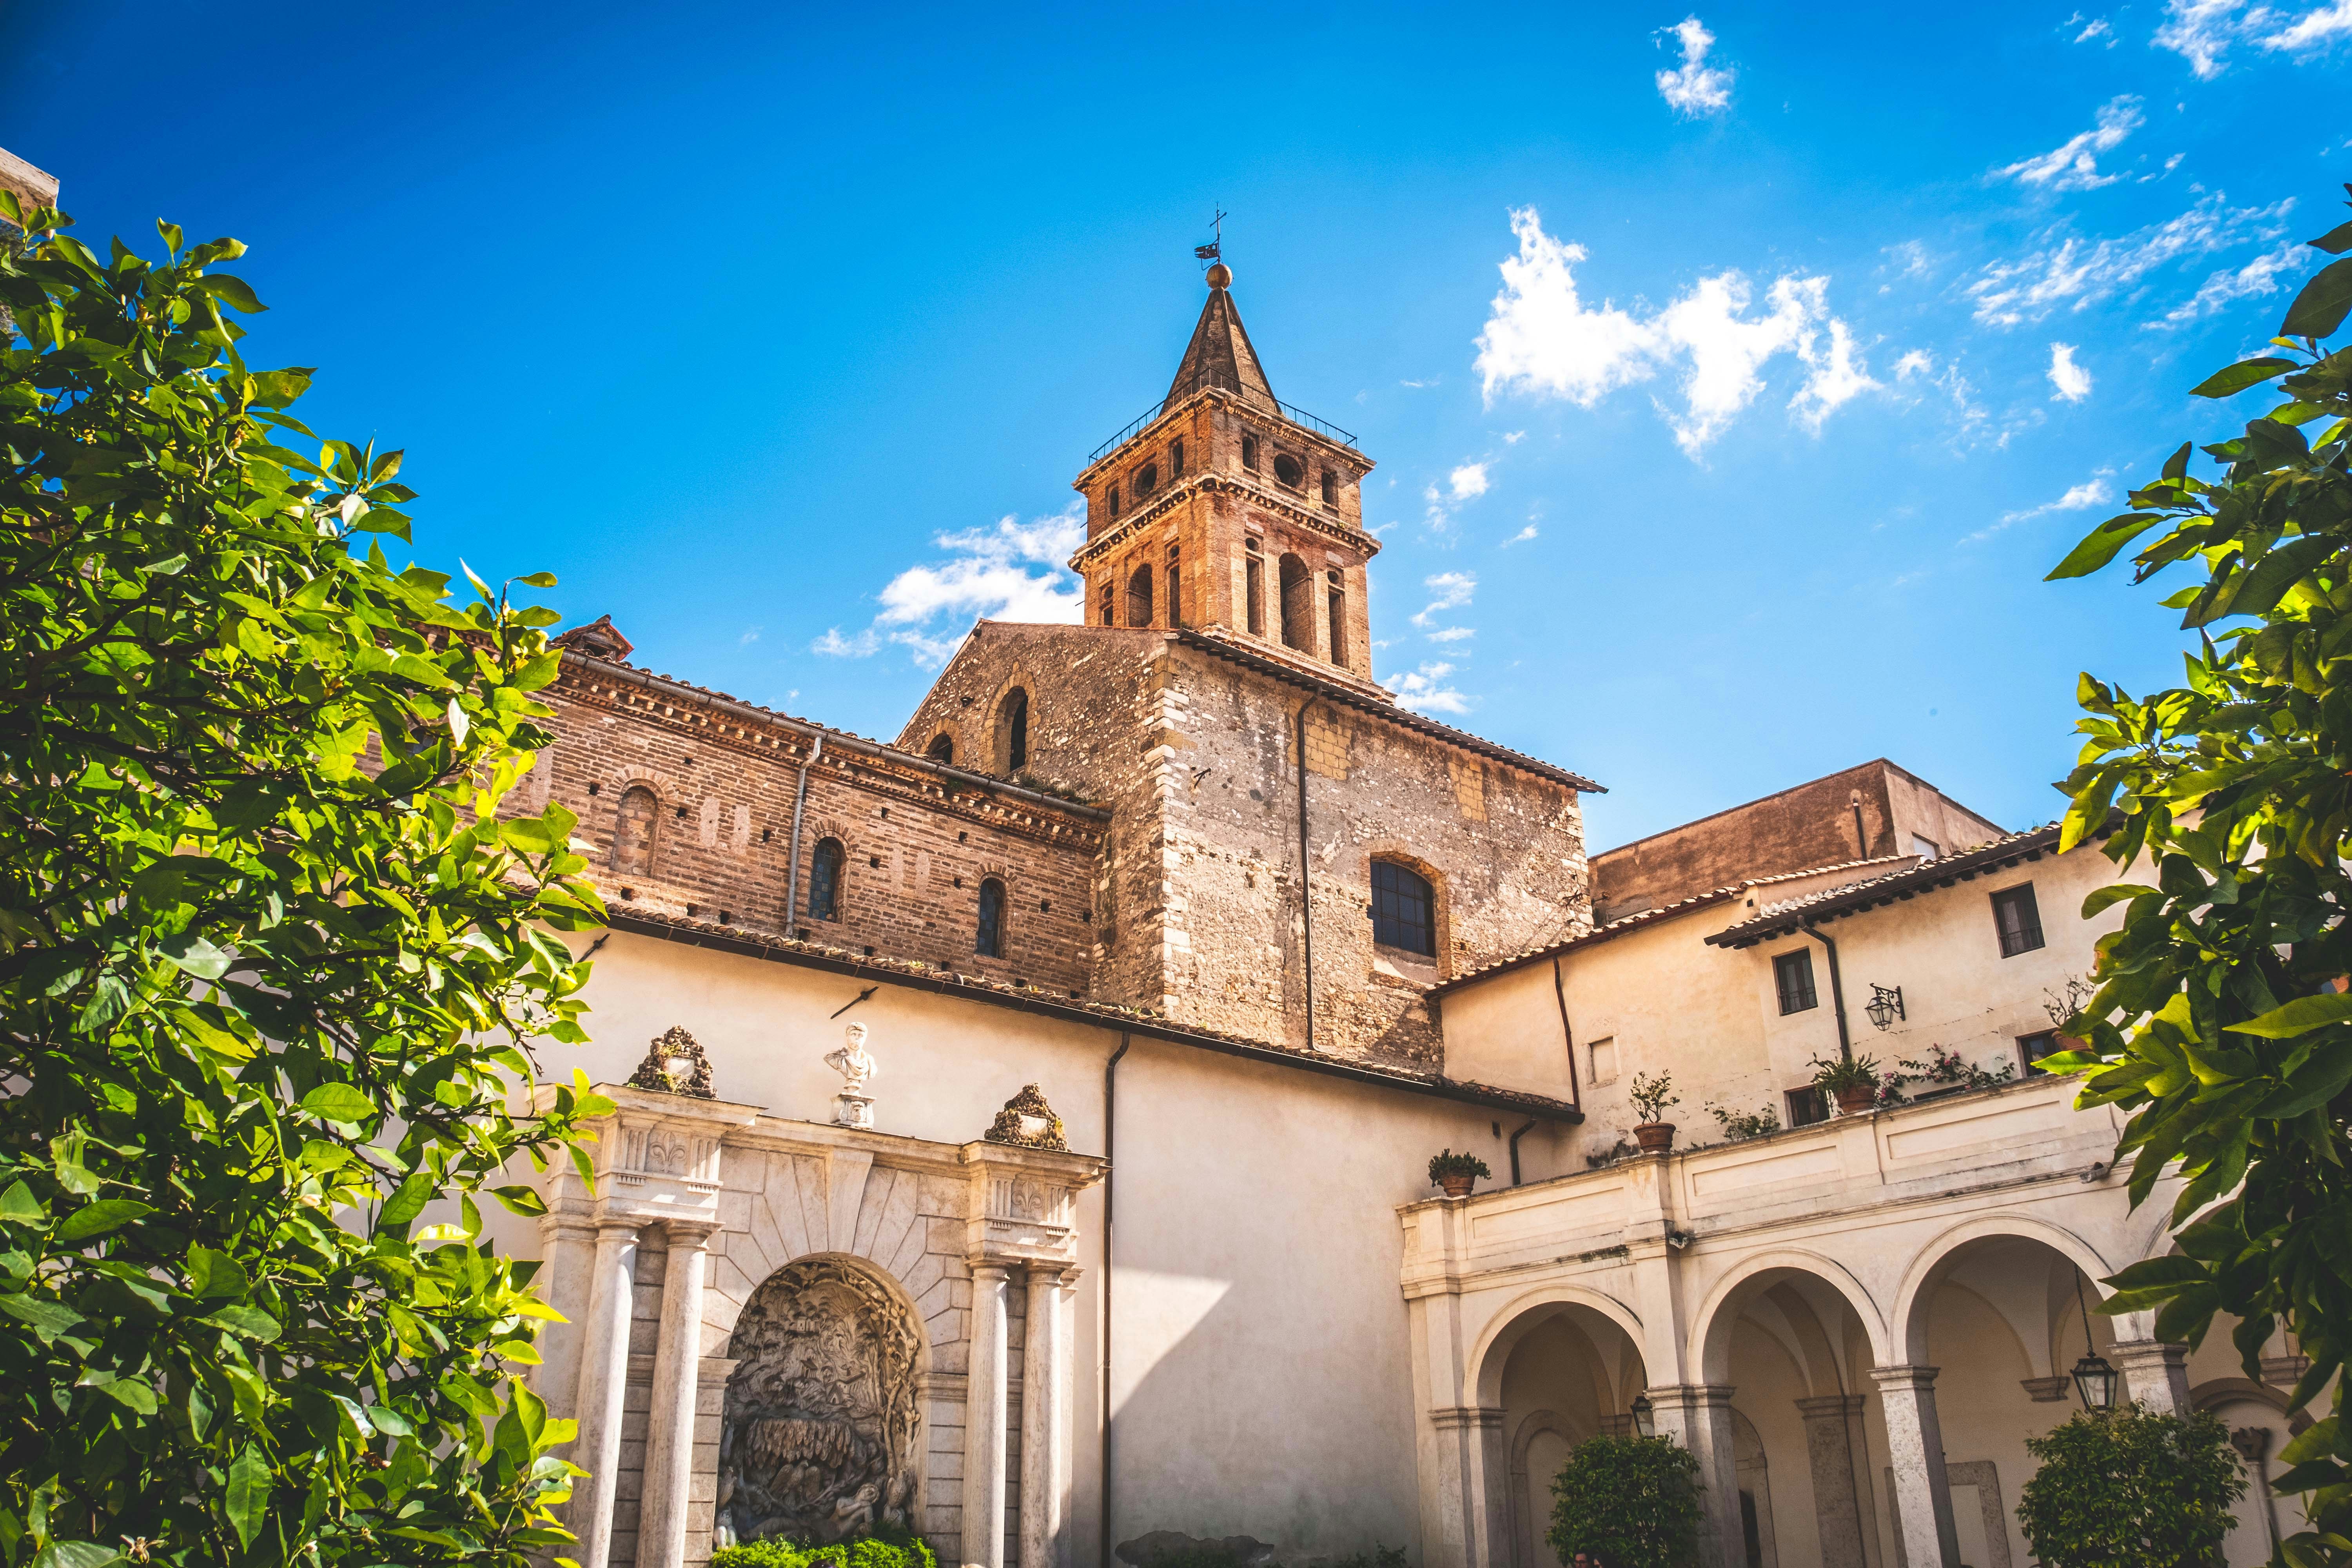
x: 1522, y: 1132
x: 793, y: 876
x: 1110, y: 1175
x: 1860, y: 840
x: 1306, y: 892
x: 1837, y: 994
x: 1559, y: 991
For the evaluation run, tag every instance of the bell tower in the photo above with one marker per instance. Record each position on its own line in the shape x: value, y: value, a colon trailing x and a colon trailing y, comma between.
x: 1227, y: 510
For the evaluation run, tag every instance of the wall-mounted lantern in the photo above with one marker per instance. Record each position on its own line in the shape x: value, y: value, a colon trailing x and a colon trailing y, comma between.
x: 1645, y: 1419
x: 1886, y: 1006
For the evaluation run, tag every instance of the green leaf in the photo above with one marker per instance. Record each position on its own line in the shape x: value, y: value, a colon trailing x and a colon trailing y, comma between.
x: 2319, y: 310
x: 98, y: 1218
x: 19, y: 1207
x: 2099, y: 546
x: 248, y: 1493
x: 231, y: 291
x: 130, y: 1393
x: 2335, y: 241
x: 407, y: 1200
x: 521, y: 1200
x: 212, y: 1273
x: 2246, y: 372
x: 246, y: 1323
x: 2298, y: 1017
x: 2115, y: 893
x: 47, y: 1319
x: 77, y: 1554
x: 340, y: 1102
x: 200, y: 958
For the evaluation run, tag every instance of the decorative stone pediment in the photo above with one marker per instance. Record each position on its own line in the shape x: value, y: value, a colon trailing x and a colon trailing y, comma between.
x: 659, y: 1155
x: 1027, y: 1122
x: 676, y: 1065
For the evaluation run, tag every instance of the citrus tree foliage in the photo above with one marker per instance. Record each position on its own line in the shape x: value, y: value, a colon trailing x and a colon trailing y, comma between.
x: 2131, y: 1489
x: 269, y: 968
x: 1630, y: 1501
x: 2221, y: 1021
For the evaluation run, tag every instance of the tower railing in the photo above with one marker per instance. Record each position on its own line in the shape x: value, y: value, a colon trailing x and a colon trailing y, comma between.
x: 1206, y: 380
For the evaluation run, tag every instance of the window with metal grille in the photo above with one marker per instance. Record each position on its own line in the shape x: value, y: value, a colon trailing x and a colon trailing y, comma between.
x: 2017, y: 918
x: 990, y: 943
x: 824, y: 880
x: 1792, y: 975
x: 1404, y: 910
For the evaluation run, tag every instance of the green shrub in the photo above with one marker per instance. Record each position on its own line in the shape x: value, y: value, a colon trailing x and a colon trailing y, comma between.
x: 2131, y: 1488
x: 1633, y: 1501
x: 889, y: 1550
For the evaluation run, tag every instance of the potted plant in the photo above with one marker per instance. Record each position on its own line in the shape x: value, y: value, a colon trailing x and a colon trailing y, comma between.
x: 1852, y: 1081
x: 1651, y: 1096
x: 1456, y: 1172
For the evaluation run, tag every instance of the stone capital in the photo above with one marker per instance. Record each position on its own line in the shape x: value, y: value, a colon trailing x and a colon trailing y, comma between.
x: 1890, y: 1378
x: 1020, y: 1205
x: 1455, y: 1417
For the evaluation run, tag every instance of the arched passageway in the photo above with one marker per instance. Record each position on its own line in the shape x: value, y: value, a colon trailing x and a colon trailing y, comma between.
x: 1561, y: 1372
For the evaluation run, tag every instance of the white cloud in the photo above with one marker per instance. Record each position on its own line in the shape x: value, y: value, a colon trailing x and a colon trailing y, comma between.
x: 2095, y: 29
x: 1695, y: 89
x: 2074, y: 165
x: 1468, y: 481
x: 1911, y: 260
x: 1453, y: 634
x: 2071, y: 272
x: 927, y: 608
x: 2260, y: 276
x: 2093, y: 491
x: 2072, y: 382
x: 1452, y: 591
x: 1521, y: 537
x: 1427, y: 691
x: 2202, y: 31
x: 1917, y: 361
x: 1513, y: 437
x: 748, y: 638
x: 1541, y: 338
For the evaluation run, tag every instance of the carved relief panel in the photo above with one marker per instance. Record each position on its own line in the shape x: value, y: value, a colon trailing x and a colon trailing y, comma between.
x: 821, y: 1439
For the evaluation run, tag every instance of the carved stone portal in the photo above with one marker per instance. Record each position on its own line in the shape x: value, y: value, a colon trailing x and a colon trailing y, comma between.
x: 821, y: 1437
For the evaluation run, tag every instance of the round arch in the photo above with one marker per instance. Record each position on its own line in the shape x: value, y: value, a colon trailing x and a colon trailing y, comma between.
x: 1491, y: 1351
x: 722, y: 1312
x: 1710, y: 1339
x: 1935, y: 1261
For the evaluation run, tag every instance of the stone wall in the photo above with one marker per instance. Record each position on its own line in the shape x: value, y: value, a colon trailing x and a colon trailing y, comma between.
x: 719, y: 780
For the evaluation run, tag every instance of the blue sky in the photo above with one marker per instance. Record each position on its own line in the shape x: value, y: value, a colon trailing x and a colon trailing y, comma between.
x: 1710, y: 359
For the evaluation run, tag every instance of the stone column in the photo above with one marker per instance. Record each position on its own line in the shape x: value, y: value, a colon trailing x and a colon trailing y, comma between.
x: 1698, y: 1416
x: 669, y: 1426
x: 566, y: 1282
x: 1045, y: 1415
x: 2155, y: 1374
x: 1475, y: 1465
x: 603, y: 1383
x: 1914, y: 1443
x: 984, y: 1420
x: 1830, y: 1423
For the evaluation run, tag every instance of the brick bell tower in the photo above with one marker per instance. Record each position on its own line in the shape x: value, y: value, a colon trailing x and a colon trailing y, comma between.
x: 1226, y: 509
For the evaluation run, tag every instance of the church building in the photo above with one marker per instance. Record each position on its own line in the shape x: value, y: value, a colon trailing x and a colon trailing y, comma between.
x: 1024, y: 1124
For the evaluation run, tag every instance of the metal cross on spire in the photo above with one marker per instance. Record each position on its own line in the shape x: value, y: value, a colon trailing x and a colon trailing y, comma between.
x: 1215, y: 249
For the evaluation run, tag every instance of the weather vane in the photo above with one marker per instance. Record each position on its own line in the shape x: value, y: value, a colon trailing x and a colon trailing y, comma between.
x: 1215, y: 249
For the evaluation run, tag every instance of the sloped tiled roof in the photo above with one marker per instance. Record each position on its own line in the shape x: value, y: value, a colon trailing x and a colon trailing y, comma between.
x: 1853, y: 898
x: 919, y: 975
x: 1635, y: 921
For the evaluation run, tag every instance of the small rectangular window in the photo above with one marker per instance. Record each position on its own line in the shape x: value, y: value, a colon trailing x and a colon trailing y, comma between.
x: 1330, y: 489
x: 1792, y: 975
x: 1176, y: 459
x: 1109, y: 599
x: 1602, y: 1056
x: 1175, y: 582
x: 1254, y: 573
x: 1337, y: 606
x: 2032, y: 1048
x: 1807, y: 1106
x: 1924, y: 847
x: 2018, y: 920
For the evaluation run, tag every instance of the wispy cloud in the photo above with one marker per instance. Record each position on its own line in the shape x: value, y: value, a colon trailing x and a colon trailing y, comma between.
x: 1915, y: 361
x: 1468, y: 481
x: 1428, y: 689
x: 2072, y: 382
x: 2073, y: 165
x: 1521, y: 537
x: 2093, y: 30
x: 2093, y: 491
x: 748, y: 638
x: 2074, y: 273
x: 1453, y: 634
x: 1542, y: 339
x: 1695, y: 89
x: 1450, y: 591
x: 2260, y: 276
x: 990, y: 572
x: 2203, y: 31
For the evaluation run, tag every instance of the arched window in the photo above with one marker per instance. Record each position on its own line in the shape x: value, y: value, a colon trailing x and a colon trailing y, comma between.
x: 1330, y: 489
x: 1404, y: 910
x: 1013, y: 732
x: 1139, y: 597
x: 1297, y: 604
x: 632, y: 832
x: 1254, y: 580
x: 1249, y: 453
x: 1289, y: 470
x: 990, y: 943
x: 824, y: 880
x: 1114, y: 500
x: 1176, y: 459
x: 943, y: 749
x: 1175, y: 585
x: 1147, y: 479
x: 1338, y: 606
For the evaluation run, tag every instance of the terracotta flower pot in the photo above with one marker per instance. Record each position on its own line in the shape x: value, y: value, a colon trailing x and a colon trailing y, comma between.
x: 1458, y: 1186
x: 1855, y: 1100
x: 1655, y: 1137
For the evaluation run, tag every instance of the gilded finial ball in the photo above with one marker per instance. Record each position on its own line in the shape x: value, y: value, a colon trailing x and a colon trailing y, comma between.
x: 1221, y: 276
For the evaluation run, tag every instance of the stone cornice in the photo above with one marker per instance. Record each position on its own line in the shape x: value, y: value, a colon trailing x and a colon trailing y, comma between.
x: 1354, y: 539
x: 1351, y: 455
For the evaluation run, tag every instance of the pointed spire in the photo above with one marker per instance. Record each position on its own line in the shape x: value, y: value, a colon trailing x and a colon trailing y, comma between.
x: 1220, y: 353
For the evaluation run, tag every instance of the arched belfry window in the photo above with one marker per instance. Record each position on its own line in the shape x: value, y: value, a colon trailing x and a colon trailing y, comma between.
x: 1139, y: 597
x: 1254, y: 586
x: 632, y: 831
x: 824, y: 880
x: 1147, y: 479
x: 1404, y: 908
x: 1013, y: 732
x: 943, y: 749
x: 1297, y: 604
x: 1249, y: 453
x: 1330, y: 487
x: 990, y: 941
